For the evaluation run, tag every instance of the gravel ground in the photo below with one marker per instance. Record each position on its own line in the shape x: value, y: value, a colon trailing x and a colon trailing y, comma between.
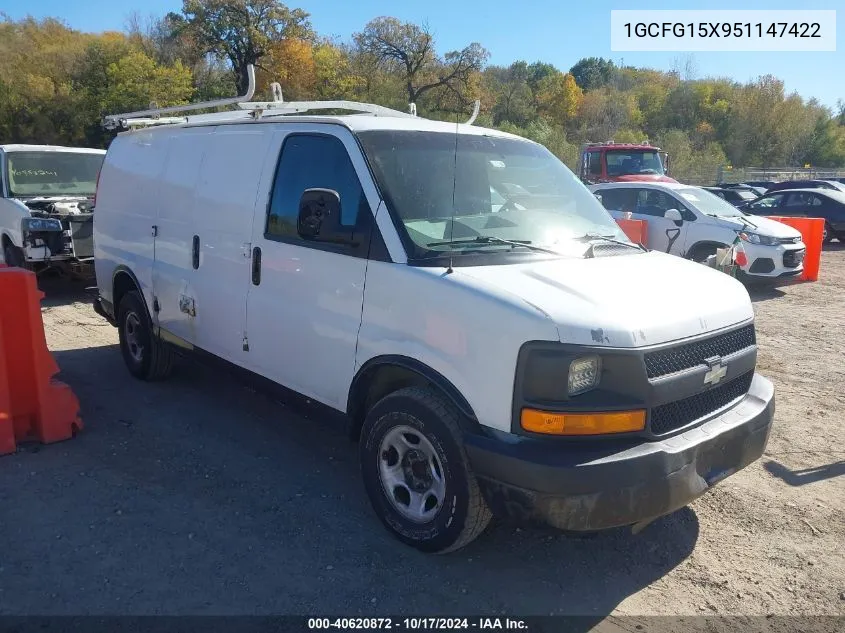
x: 200, y: 496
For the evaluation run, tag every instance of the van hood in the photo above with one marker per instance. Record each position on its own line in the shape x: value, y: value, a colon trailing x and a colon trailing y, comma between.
x: 621, y: 301
x: 765, y: 226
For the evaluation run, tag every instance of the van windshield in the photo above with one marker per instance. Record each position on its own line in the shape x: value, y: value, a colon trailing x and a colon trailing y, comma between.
x: 53, y: 173
x: 456, y: 193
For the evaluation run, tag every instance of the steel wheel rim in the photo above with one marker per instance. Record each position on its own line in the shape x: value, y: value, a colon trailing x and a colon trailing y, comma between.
x: 131, y: 334
x: 411, y: 474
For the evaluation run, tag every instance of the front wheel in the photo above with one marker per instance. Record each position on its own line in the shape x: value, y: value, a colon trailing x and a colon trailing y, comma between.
x: 12, y: 255
x: 416, y: 472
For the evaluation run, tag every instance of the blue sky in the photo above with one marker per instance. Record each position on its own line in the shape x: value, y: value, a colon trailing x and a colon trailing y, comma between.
x: 555, y: 31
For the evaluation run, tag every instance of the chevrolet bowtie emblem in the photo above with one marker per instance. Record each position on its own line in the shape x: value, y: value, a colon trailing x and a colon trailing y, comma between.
x: 716, y: 370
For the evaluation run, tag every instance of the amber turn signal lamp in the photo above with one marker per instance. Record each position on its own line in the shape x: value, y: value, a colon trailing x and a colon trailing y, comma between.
x: 552, y: 423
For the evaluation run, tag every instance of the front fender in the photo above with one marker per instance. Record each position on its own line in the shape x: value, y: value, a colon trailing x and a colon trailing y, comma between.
x: 11, y: 213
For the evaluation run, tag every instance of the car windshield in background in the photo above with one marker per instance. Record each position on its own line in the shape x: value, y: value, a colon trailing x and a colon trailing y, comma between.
x: 708, y: 203
x: 745, y: 194
x: 457, y: 193
x: 53, y: 173
x: 630, y: 162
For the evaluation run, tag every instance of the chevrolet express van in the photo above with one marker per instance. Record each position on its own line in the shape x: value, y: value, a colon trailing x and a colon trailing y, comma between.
x: 497, y: 343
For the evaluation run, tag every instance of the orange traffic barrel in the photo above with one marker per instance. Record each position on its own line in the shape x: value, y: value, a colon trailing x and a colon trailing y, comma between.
x: 636, y: 230
x: 812, y: 234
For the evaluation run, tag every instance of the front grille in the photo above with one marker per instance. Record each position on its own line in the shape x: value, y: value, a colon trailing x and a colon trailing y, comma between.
x: 793, y: 259
x: 789, y: 240
x: 762, y: 265
x: 676, y: 415
x: 82, y: 230
x: 689, y: 355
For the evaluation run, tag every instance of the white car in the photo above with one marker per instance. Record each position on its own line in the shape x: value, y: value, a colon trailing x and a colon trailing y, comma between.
x: 46, y: 200
x: 692, y: 222
x: 491, y: 355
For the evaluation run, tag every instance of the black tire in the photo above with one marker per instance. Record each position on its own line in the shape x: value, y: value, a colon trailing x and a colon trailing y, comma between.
x: 146, y: 356
x: 700, y: 254
x: 463, y: 514
x: 829, y: 233
x: 12, y: 255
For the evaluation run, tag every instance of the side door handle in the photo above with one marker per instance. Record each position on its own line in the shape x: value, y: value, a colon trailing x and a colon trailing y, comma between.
x: 256, y: 266
x: 195, y: 252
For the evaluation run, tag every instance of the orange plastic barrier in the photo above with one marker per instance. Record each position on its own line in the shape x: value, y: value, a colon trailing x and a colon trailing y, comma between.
x: 33, y: 406
x: 636, y: 230
x: 812, y: 234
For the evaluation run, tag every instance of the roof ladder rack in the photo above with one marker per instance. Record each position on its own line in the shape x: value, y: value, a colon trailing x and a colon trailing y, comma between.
x: 113, y: 121
x: 253, y: 109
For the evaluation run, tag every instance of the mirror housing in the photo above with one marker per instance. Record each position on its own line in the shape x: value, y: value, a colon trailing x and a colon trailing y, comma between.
x: 319, y: 217
x: 674, y: 215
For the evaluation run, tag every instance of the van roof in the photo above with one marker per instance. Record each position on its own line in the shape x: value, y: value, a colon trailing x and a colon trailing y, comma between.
x: 20, y: 147
x: 354, y: 122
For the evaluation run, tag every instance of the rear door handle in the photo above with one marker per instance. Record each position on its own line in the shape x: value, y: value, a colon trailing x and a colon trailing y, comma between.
x: 256, y: 266
x: 195, y: 252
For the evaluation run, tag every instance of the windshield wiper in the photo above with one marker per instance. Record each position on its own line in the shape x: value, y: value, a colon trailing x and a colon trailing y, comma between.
x: 588, y: 237
x: 487, y: 239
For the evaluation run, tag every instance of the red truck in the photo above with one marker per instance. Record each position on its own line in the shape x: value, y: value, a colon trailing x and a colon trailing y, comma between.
x: 623, y: 162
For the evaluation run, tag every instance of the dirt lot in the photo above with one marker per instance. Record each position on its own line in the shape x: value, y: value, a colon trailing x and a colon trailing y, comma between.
x: 200, y: 496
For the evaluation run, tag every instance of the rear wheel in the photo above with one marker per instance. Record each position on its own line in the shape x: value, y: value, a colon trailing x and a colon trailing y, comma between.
x: 146, y: 356
x: 416, y: 472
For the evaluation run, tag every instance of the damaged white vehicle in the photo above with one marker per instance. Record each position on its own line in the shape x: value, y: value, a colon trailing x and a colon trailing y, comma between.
x: 46, y: 206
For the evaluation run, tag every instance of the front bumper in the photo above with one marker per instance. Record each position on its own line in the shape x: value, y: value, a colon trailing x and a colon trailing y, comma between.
x: 585, y: 486
x: 770, y: 262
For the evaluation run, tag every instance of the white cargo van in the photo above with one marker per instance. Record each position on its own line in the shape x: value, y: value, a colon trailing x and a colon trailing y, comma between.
x: 497, y: 343
x: 46, y: 203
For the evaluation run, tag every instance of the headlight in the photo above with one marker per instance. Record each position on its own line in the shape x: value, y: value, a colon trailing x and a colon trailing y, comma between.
x: 756, y: 238
x: 583, y: 374
x: 29, y: 225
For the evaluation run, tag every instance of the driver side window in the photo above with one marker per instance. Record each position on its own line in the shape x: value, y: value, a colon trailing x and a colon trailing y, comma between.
x: 656, y: 203
x: 768, y: 202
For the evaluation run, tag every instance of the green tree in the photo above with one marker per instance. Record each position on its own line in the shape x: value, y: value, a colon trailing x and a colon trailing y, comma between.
x: 134, y: 81
x: 593, y: 72
x: 511, y: 94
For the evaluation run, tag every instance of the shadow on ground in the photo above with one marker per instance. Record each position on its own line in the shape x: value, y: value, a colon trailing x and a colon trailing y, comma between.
x: 764, y: 292
x: 59, y: 290
x: 804, y: 476
x: 201, y: 496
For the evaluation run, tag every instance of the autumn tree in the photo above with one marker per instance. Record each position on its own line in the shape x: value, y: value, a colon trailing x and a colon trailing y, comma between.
x: 243, y: 31
x: 408, y: 49
x: 559, y: 97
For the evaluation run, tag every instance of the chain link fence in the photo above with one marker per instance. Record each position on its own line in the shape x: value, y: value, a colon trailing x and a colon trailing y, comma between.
x: 706, y: 176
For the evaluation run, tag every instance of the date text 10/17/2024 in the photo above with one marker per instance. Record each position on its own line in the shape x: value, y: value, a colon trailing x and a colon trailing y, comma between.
x: 419, y: 623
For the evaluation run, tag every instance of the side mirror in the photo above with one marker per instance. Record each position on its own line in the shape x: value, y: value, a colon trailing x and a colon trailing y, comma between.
x: 674, y: 215
x: 319, y: 217
x: 598, y: 196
